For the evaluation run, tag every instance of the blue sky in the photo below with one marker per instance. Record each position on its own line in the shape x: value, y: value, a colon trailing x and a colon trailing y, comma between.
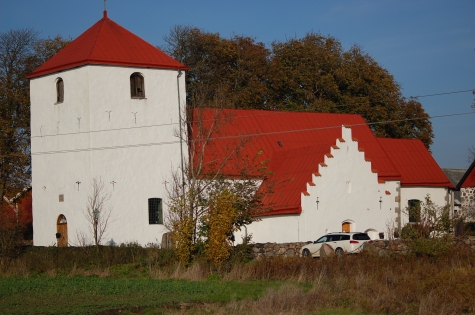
x: 428, y: 46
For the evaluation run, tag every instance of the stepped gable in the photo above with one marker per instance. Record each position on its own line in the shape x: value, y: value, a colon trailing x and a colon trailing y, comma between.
x: 414, y: 162
x: 107, y: 43
x: 293, y: 142
x: 276, y: 131
x: 292, y: 170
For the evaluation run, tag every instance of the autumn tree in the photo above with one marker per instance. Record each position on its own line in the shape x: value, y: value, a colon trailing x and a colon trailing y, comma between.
x: 201, y: 191
x: 313, y: 73
x: 218, y: 223
x: 316, y: 74
x: 236, y: 67
x: 21, y: 52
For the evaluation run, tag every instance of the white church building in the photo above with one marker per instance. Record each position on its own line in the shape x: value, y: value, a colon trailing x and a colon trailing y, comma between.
x: 107, y: 108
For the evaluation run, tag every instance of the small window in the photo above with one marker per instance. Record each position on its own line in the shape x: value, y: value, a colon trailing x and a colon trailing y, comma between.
x: 59, y: 90
x: 155, y: 213
x: 414, y: 208
x: 137, y: 89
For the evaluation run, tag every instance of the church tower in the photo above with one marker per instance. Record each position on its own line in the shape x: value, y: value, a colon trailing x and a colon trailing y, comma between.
x: 106, y: 109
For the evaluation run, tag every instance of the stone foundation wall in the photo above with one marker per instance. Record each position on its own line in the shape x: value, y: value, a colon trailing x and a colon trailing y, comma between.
x: 468, y: 200
x: 382, y: 247
x: 267, y: 250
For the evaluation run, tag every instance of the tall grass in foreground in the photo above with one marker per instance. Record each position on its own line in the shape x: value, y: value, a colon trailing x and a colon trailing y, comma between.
x: 393, y: 284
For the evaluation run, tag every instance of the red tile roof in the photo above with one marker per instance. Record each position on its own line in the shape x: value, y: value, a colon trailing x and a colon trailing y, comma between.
x: 414, y: 162
x: 292, y: 171
x: 468, y: 179
x: 107, y: 43
x: 266, y: 129
x: 294, y: 142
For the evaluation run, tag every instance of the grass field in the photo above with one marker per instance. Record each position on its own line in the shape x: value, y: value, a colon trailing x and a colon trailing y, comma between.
x: 81, y: 295
x: 135, y: 280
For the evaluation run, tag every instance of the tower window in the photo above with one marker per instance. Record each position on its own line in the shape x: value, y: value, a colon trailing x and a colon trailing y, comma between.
x: 59, y: 90
x: 155, y: 212
x: 137, y: 89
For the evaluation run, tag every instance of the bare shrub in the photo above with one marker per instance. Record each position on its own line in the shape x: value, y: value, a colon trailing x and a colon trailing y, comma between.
x: 97, y: 213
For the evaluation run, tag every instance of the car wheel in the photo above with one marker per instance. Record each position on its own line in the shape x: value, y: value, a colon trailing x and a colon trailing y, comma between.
x: 306, y: 253
x: 339, y: 252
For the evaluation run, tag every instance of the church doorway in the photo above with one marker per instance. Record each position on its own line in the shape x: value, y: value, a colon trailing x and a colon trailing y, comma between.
x: 346, y: 227
x: 62, y: 231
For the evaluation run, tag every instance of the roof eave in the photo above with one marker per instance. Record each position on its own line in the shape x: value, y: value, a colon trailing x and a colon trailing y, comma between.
x: 36, y: 74
x: 281, y: 211
x: 427, y: 184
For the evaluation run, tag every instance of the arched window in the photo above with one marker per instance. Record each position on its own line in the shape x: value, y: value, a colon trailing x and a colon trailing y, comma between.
x: 137, y: 86
x: 414, y: 207
x: 59, y: 90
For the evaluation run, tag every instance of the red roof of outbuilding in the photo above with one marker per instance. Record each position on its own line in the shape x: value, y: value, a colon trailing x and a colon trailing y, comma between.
x: 107, y: 43
x: 468, y: 179
x: 414, y: 162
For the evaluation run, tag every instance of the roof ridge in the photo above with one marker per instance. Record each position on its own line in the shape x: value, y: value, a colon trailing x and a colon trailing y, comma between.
x: 93, y: 47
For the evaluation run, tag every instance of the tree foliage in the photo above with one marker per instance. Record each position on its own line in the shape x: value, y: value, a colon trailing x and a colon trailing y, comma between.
x: 313, y: 73
x: 236, y: 67
x: 219, y: 222
x: 199, y: 195
x: 432, y: 232
x: 21, y: 52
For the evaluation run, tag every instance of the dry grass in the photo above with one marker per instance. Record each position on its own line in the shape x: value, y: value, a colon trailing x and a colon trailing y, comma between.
x: 382, y: 285
x: 393, y: 284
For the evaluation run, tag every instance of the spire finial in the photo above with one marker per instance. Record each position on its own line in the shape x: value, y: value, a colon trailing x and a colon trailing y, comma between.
x: 105, y: 9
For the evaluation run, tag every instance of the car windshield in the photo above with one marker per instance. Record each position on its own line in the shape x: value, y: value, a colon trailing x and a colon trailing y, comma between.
x: 361, y: 237
x: 322, y: 239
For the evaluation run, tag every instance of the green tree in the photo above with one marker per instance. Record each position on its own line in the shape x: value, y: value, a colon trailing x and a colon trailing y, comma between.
x: 20, y: 53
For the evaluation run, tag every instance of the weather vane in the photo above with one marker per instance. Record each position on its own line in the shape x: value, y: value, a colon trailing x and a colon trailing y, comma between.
x: 105, y: 5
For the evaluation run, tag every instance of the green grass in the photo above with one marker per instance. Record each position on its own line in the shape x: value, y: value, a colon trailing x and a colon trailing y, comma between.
x: 83, y: 295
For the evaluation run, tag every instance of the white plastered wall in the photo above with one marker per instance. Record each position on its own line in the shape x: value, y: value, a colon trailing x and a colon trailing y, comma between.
x: 133, y: 152
x: 347, y: 190
x: 439, y: 195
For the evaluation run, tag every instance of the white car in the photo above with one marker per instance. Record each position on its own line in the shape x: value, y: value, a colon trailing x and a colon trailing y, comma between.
x: 339, y: 242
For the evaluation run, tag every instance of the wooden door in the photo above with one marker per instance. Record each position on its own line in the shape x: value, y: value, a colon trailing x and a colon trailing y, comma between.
x: 345, y: 227
x: 62, y: 229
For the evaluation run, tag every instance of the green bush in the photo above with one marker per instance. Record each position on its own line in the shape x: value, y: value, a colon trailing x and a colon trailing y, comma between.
x: 432, y: 233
